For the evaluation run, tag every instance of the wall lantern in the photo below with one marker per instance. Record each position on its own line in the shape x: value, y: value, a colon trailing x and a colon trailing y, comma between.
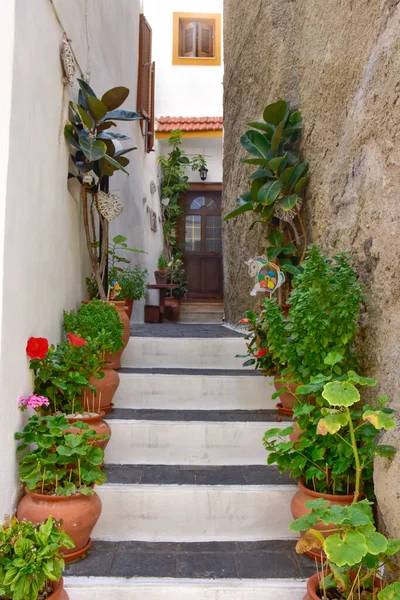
x: 203, y: 173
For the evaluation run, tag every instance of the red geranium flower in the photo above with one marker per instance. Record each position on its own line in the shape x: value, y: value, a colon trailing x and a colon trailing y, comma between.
x: 76, y: 340
x: 261, y: 353
x: 37, y: 347
x: 244, y: 321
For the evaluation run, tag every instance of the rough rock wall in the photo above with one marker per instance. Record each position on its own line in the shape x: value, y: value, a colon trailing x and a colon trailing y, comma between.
x: 339, y: 62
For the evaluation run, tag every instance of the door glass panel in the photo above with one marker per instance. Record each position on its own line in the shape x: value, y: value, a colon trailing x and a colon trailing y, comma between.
x: 210, y: 204
x: 213, y: 234
x: 192, y: 233
x: 197, y: 203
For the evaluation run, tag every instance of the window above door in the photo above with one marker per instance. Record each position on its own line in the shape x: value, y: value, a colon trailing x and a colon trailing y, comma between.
x: 196, y: 39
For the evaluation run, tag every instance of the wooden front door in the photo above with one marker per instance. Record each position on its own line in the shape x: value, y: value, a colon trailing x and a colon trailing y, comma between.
x: 200, y: 237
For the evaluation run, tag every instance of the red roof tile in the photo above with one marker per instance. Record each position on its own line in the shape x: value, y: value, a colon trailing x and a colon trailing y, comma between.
x: 189, y: 123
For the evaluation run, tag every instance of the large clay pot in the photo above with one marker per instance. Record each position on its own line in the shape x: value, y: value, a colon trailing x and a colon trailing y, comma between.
x: 296, y: 433
x: 105, y: 391
x: 298, y: 509
x: 129, y: 306
x: 286, y: 400
x: 313, y: 586
x: 97, y: 423
x: 172, y: 309
x: 79, y: 514
x: 59, y: 593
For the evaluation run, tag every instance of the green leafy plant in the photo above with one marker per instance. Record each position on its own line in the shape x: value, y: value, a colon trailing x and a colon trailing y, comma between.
x: 63, y: 374
x: 162, y: 263
x: 356, y: 552
x: 62, y: 463
x: 174, y: 183
x: 335, y: 451
x: 258, y: 354
x: 117, y: 245
x: 285, y: 254
x: 95, y: 157
x: 99, y: 322
x: 132, y: 282
x: 30, y: 558
x: 322, y: 318
x: 178, y: 276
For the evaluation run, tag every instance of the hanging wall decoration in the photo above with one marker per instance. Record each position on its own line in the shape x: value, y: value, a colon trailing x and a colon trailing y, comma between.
x: 110, y: 205
x: 67, y: 60
x: 268, y: 275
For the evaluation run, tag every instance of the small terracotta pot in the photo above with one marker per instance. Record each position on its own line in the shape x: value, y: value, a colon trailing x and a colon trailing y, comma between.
x: 105, y: 391
x: 79, y: 514
x: 298, y: 509
x: 172, y: 309
x: 97, y: 423
x: 161, y: 276
x: 115, y: 359
x: 286, y: 399
x: 313, y: 586
x: 129, y: 306
x: 59, y: 593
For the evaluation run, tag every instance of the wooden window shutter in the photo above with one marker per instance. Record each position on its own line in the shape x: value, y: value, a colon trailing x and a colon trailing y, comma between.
x: 151, y: 122
x: 205, y: 40
x: 144, y: 82
x: 187, y: 38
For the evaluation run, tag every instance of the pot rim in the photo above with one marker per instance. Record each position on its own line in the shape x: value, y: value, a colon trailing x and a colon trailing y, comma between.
x: 331, y: 497
x: 54, y: 498
x: 97, y: 417
x: 313, y: 581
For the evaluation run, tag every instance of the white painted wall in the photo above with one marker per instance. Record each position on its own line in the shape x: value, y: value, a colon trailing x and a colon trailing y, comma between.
x: 182, y: 91
x: 44, y: 259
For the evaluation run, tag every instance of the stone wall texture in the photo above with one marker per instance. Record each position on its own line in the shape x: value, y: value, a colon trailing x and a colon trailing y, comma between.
x: 338, y: 61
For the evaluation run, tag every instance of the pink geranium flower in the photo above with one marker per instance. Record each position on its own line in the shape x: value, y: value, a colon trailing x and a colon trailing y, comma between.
x: 33, y: 401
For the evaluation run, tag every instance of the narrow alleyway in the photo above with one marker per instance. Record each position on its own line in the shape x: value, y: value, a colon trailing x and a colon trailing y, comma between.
x: 190, y: 509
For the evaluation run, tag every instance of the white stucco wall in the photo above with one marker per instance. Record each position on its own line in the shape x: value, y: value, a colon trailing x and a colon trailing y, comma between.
x: 180, y: 90
x: 44, y: 259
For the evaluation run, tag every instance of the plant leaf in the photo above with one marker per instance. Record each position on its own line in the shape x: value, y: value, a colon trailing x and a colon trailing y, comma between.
x: 390, y: 592
x: 332, y: 423
x: 355, y: 378
x: 255, y: 143
x: 93, y: 149
x: 267, y: 127
x: 348, y: 550
x: 260, y: 173
x: 239, y: 211
x: 122, y: 115
x: 86, y: 89
x: 114, y: 163
x: 288, y: 202
x: 276, y: 138
x: 96, y: 108
x: 275, y: 237
x: 269, y: 192
x: 276, y: 112
x: 333, y: 358
x: 340, y: 393
x: 300, y: 184
x: 113, y: 98
x: 112, y: 135
x: 379, y: 419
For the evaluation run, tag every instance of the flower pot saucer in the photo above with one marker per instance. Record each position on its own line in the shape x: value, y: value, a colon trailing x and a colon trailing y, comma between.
x: 74, y: 555
x: 282, y: 410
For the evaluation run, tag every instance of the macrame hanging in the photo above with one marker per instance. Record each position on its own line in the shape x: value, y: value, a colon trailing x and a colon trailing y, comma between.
x: 67, y: 60
x: 109, y: 205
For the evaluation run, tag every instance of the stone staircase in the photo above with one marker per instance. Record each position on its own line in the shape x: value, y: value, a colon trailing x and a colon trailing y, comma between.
x: 202, y: 312
x: 190, y: 509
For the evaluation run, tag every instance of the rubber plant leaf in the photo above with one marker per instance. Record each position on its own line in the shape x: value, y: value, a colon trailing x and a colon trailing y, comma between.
x: 269, y: 192
x: 266, y: 127
x: 86, y: 89
x: 288, y: 202
x: 255, y: 161
x: 239, y: 211
x: 97, y: 109
x: 124, y: 151
x: 70, y: 137
x: 255, y: 143
x: 275, y: 237
x: 275, y: 163
x: 340, y: 393
x: 296, y: 174
x: 276, y: 112
x: 276, y: 138
x: 301, y: 183
x: 115, y: 164
x: 112, y: 135
x: 122, y: 115
x: 261, y: 173
x: 115, y: 97
x: 93, y: 149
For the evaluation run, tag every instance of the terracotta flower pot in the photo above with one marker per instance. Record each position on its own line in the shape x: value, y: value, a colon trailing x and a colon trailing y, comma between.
x: 59, y: 593
x: 161, y: 276
x: 79, y: 514
x: 129, y: 306
x: 172, y: 309
x: 105, y: 391
x: 313, y: 587
x: 286, y: 400
x: 298, y: 509
x: 97, y: 423
x: 115, y: 359
x: 295, y: 435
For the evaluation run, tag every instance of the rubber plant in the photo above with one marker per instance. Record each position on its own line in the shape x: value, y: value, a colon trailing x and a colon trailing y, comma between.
x: 276, y: 186
x: 356, y: 552
x: 30, y: 558
x: 174, y: 183
x: 95, y: 157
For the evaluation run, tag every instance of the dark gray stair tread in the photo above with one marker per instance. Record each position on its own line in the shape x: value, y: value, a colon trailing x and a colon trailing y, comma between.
x: 178, y: 371
x: 274, y: 559
x: 155, y: 414
x: 178, y: 330
x: 196, y: 475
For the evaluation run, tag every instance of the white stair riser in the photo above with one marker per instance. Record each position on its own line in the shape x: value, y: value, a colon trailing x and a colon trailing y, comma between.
x: 186, y: 353
x: 201, y: 317
x: 187, y: 442
x: 194, y: 513
x: 156, y: 589
x: 189, y: 392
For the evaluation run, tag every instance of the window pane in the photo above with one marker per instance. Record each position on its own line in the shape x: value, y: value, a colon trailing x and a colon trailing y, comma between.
x: 213, y: 234
x: 210, y: 203
x: 193, y: 233
x: 197, y: 203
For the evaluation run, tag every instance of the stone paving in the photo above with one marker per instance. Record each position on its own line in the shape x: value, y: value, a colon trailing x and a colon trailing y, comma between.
x: 154, y: 414
x: 176, y: 330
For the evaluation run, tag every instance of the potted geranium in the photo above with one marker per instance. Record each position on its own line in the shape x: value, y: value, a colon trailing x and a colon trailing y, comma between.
x: 177, y: 276
x: 31, y: 564
x: 258, y: 354
x: 63, y: 377
x: 132, y: 285
x: 161, y: 274
x: 59, y: 474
